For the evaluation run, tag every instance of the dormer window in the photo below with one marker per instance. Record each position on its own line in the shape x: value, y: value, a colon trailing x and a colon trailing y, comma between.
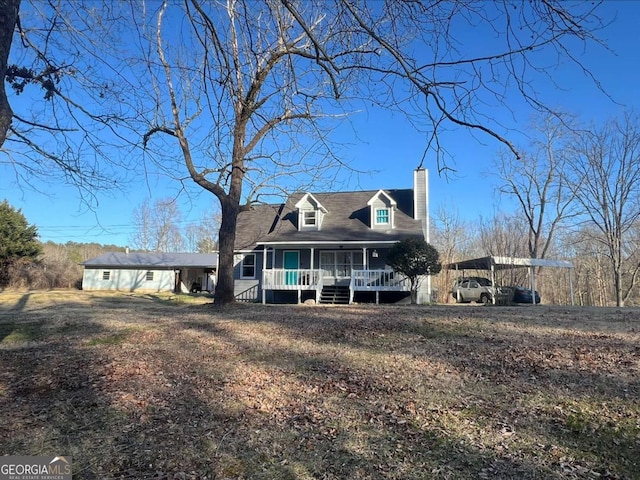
x: 382, y: 216
x: 382, y: 210
x: 309, y: 218
x: 310, y: 213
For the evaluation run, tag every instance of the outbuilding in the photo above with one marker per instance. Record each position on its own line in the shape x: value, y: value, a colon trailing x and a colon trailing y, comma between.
x: 154, y: 272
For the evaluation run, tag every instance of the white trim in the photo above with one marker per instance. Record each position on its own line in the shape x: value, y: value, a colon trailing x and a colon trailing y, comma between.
x: 304, y: 198
x: 389, y: 221
x: 318, y: 243
x: 303, y: 214
x: 377, y: 194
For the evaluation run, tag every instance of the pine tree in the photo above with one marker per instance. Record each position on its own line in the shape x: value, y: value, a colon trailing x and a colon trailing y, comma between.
x: 18, y: 239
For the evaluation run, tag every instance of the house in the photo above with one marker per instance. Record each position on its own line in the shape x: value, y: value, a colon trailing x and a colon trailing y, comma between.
x: 155, y: 272
x: 329, y: 247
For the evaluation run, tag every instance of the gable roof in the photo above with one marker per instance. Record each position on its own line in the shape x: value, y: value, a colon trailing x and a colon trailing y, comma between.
x: 347, y: 220
x: 154, y: 260
x: 311, y: 199
x: 381, y: 193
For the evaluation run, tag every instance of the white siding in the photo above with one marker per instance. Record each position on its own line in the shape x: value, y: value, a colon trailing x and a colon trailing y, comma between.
x: 421, y: 199
x: 128, y: 280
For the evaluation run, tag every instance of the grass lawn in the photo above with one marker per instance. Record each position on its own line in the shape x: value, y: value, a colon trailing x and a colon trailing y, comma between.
x: 166, y: 387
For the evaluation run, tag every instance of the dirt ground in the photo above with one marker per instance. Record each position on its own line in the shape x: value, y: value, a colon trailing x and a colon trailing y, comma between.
x: 168, y: 387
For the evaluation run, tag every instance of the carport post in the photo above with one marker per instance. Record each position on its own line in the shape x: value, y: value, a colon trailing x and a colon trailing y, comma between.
x: 532, y: 277
x: 493, y: 282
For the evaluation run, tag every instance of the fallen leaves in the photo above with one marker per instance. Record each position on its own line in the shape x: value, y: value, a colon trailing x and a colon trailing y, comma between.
x: 179, y: 393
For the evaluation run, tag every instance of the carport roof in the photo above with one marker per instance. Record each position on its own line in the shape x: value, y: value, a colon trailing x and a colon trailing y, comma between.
x: 502, y: 263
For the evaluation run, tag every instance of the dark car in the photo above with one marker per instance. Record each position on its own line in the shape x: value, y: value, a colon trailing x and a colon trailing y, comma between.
x: 523, y: 295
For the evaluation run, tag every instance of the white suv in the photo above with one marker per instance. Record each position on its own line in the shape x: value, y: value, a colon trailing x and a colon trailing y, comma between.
x: 473, y: 289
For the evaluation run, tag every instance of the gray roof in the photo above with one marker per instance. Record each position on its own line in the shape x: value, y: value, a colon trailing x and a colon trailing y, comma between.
x: 154, y: 260
x: 347, y: 220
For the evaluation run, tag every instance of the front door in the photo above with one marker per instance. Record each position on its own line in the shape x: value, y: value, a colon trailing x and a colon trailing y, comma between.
x: 291, y: 262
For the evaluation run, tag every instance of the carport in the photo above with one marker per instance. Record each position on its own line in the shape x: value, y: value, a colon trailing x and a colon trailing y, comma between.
x: 492, y: 264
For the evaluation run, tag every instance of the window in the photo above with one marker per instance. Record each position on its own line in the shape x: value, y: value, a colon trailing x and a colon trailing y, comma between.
x: 309, y: 218
x: 341, y: 263
x: 149, y: 277
x: 248, y: 266
x: 382, y: 216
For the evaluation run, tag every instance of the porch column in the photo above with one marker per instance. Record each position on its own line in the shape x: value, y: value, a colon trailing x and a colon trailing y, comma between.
x: 312, y: 251
x: 366, y: 258
x: 264, y: 267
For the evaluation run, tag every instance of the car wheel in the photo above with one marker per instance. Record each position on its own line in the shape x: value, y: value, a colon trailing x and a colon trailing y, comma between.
x: 484, y: 298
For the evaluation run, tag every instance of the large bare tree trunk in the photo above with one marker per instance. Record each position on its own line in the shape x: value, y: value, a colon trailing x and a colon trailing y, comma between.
x: 225, y: 293
x: 8, y: 18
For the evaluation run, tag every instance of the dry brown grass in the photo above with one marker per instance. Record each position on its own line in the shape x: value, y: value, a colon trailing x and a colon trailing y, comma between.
x: 147, y: 386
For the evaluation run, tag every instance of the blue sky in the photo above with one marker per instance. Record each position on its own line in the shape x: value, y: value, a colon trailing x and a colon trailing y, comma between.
x: 386, y: 147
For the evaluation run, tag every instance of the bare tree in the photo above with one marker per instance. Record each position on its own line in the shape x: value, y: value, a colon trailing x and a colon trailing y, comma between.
x: 606, y: 167
x: 505, y: 236
x: 202, y: 237
x: 452, y: 237
x: 61, y: 109
x: 158, y: 227
x: 536, y: 179
x: 250, y: 90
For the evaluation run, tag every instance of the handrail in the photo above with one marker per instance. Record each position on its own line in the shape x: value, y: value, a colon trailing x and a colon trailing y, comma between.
x: 379, y: 280
x: 248, y: 295
x: 303, y: 278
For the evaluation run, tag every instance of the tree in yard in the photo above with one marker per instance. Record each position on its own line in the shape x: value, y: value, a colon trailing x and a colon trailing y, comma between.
x: 605, y: 169
x: 414, y: 258
x: 18, y: 240
x: 249, y: 91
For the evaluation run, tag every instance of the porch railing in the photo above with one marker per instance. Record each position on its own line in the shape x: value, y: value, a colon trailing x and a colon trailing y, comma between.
x: 379, y: 280
x: 361, y: 280
x: 285, y: 279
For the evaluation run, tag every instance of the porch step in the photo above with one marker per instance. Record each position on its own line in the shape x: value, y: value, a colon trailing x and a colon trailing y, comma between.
x: 334, y: 294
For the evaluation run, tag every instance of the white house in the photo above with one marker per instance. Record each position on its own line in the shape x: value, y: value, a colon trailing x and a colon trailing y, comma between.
x: 154, y: 272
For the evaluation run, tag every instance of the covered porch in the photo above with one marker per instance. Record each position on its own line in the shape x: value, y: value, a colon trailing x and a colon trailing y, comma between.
x: 305, y: 270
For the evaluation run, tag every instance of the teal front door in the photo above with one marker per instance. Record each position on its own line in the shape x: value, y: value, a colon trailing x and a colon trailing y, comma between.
x: 291, y: 262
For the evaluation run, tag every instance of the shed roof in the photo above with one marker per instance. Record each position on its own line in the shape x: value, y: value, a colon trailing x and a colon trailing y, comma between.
x: 154, y: 260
